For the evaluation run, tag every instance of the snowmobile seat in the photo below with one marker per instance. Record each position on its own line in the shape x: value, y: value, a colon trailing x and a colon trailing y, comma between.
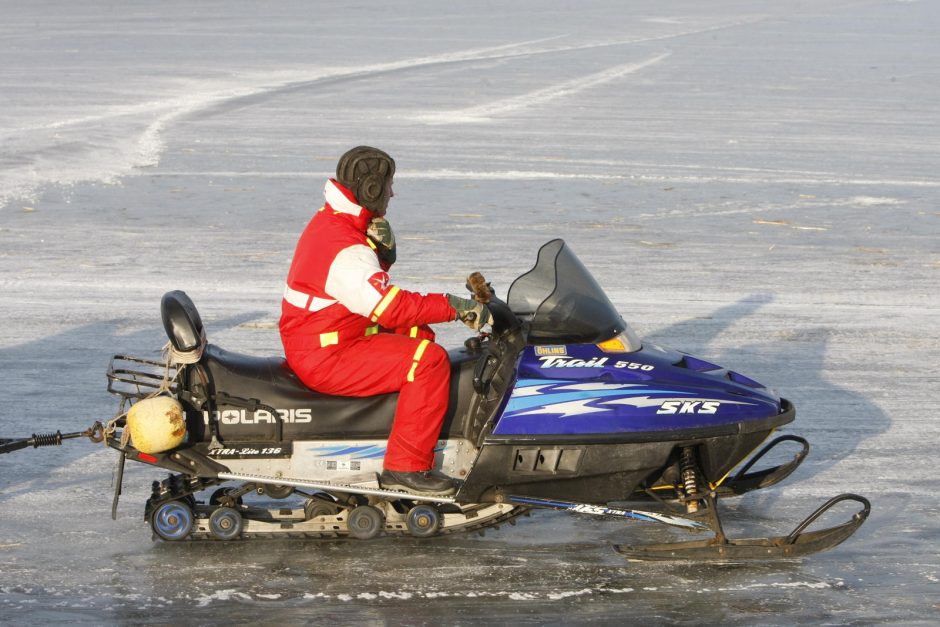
x: 181, y: 321
x: 247, y: 390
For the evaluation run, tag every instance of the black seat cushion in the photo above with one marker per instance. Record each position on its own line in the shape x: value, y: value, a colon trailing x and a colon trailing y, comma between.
x: 181, y: 321
x: 249, y: 389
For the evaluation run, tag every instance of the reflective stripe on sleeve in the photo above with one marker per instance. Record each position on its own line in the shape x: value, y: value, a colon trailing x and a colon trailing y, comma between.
x: 417, y: 358
x: 413, y: 332
x: 384, y: 303
x: 372, y: 330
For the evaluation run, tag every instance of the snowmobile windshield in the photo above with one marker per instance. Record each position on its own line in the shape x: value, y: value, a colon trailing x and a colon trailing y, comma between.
x: 563, y: 304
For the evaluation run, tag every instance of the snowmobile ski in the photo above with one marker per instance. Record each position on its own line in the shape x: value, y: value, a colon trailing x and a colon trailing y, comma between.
x: 798, y: 543
x: 744, y: 481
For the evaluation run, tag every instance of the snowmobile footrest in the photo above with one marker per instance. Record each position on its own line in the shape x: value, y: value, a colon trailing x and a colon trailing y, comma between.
x: 797, y: 544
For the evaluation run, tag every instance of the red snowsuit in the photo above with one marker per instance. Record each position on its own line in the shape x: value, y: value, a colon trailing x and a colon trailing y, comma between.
x: 337, y: 298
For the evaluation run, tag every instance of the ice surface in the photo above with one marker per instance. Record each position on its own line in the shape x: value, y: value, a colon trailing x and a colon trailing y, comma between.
x: 752, y: 182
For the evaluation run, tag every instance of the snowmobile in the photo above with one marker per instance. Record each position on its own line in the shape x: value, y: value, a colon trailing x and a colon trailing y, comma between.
x: 558, y: 406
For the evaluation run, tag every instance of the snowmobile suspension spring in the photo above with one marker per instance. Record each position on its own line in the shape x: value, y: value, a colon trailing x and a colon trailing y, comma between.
x: 689, y: 479
x: 47, y: 439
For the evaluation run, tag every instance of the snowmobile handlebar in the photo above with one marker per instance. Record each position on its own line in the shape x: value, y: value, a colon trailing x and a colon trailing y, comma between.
x: 481, y: 289
x: 503, y: 318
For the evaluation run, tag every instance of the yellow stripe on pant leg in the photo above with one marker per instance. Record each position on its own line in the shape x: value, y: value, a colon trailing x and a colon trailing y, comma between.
x: 417, y: 358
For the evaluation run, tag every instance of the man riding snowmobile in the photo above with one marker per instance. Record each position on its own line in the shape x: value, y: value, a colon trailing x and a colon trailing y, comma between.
x: 559, y: 406
x: 348, y: 331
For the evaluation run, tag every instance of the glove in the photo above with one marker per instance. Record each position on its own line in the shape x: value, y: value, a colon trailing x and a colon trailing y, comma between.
x: 470, y: 312
x: 380, y: 232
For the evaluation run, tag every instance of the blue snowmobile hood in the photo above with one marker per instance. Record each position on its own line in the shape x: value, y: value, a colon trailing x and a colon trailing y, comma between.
x: 585, y: 372
x: 584, y: 389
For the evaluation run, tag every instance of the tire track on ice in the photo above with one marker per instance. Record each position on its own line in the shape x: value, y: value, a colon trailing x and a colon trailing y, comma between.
x: 505, y: 52
x: 485, y: 112
x: 117, y: 140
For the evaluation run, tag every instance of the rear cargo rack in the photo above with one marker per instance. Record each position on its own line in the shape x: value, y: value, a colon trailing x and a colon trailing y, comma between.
x: 137, y: 378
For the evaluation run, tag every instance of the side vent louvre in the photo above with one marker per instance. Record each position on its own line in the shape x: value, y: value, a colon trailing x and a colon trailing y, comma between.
x: 547, y: 460
x: 698, y: 365
x: 740, y: 378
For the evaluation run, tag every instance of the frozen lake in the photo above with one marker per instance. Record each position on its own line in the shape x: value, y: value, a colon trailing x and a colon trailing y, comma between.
x: 755, y: 183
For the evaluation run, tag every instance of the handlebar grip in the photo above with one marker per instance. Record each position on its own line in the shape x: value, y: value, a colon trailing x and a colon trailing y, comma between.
x: 482, y: 292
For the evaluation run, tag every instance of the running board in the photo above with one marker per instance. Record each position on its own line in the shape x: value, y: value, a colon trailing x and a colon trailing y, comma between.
x: 333, y: 487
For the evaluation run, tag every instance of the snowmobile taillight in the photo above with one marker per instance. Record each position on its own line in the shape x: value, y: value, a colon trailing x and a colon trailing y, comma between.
x: 144, y: 457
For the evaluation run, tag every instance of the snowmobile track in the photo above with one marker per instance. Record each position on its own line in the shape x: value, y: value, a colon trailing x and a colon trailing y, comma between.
x: 334, y: 527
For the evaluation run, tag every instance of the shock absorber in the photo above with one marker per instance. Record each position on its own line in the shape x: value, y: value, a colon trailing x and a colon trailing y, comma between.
x: 7, y: 445
x: 689, y: 479
x: 46, y: 439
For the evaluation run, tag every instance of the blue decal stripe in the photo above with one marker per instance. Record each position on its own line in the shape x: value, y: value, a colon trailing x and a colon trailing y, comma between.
x: 330, y: 448
x: 529, y: 383
x: 345, y: 450
x: 358, y: 452
x: 545, y: 400
x: 351, y: 449
x: 379, y: 453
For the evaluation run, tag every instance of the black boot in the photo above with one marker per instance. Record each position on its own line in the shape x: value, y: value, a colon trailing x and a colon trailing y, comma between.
x: 428, y: 482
